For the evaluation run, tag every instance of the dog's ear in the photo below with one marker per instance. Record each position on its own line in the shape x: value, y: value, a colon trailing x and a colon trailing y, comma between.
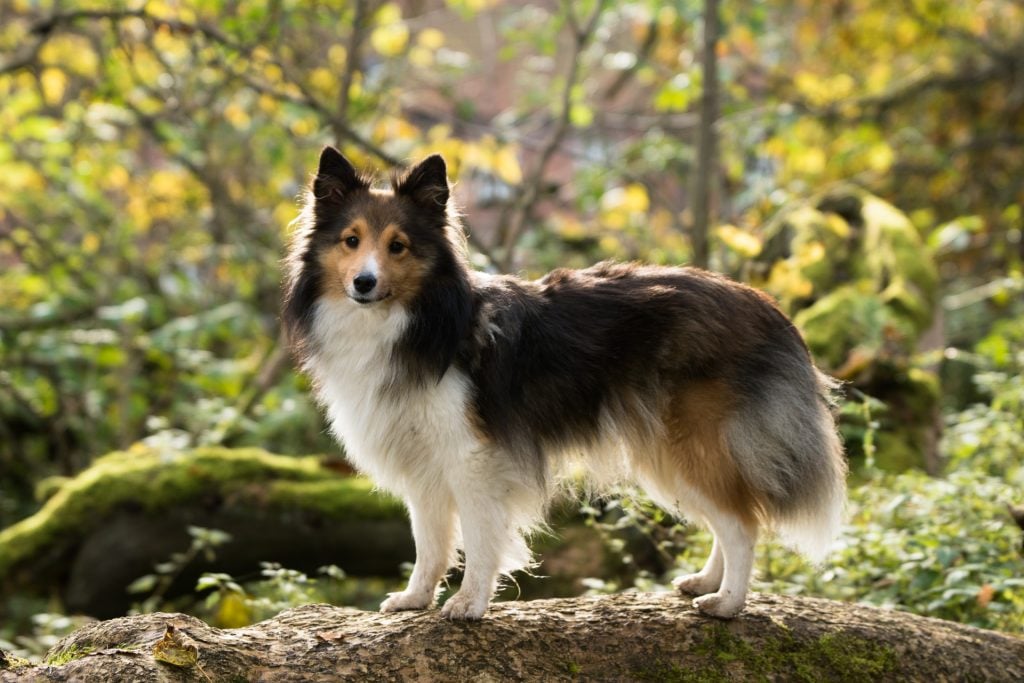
x: 426, y: 184
x: 336, y: 177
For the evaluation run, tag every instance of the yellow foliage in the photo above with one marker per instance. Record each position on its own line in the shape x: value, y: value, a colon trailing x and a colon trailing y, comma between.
x: 740, y: 241
x: 19, y: 177
x: 836, y: 225
x: 580, y: 115
x: 71, y: 52
x: 117, y: 178
x: 53, y: 82
x: 390, y: 128
x: 303, y: 126
x: 506, y: 166
x: 268, y: 104
x: 569, y: 226
x: 420, y: 57
x: 90, y: 243
x: 337, y: 56
x: 236, y: 116
x: 324, y: 81
x: 788, y: 281
x: 880, y: 157
x: 233, y: 612
x: 430, y: 38
x: 391, y: 35
x: 611, y: 245
x: 808, y: 161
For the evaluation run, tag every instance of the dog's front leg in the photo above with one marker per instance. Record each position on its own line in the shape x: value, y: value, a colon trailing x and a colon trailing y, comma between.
x: 433, y: 528
x: 486, y: 537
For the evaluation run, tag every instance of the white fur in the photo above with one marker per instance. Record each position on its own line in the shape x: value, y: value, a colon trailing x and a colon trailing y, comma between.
x: 419, y: 444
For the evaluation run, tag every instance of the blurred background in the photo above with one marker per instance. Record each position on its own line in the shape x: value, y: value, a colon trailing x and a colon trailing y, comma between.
x: 861, y: 160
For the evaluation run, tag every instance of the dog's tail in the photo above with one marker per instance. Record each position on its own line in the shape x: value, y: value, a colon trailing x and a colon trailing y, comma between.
x: 787, y: 445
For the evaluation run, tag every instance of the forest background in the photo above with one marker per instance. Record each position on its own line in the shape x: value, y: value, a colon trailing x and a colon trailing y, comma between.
x: 861, y: 160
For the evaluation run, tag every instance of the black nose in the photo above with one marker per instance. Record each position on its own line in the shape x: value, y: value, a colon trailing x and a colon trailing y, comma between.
x: 364, y: 283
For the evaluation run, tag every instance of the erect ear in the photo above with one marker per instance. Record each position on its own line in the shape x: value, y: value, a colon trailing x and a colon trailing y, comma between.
x: 426, y: 183
x: 336, y: 177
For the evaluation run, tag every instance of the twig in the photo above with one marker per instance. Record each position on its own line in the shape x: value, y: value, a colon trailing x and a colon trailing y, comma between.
x: 515, y: 215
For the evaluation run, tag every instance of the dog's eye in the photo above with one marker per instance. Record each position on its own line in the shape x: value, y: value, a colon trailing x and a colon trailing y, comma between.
x: 396, y: 247
x: 352, y: 241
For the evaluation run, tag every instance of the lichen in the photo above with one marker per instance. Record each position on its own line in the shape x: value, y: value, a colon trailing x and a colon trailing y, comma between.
x: 727, y: 656
x: 152, y: 480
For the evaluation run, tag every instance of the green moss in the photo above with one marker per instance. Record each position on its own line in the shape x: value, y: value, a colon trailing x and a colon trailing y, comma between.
x: 833, y: 657
x: 72, y: 653
x: 348, y: 497
x: 9, y: 661
x: 152, y: 480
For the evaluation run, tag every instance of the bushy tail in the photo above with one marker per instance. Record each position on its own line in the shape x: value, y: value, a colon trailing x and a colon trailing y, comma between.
x: 791, y: 453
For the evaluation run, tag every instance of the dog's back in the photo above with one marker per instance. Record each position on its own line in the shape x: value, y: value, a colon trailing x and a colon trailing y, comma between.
x: 704, y: 381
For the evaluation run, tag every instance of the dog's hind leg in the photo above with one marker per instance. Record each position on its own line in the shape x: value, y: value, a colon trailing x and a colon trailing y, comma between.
x: 735, y: 539
x: 708, y: 579
x: 432, y: 514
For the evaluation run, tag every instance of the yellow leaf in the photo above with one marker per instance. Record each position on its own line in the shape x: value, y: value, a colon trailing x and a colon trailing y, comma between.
x: 580, y: 115
x: 810, y: 161
x: 390, y: 36
x: 610, y: 244
x: 176, y: 649
x: 390, y: 40
x: 336, y: 55
x: 506, y: 166
x: 421, y: 57
x: 740, y: 241
x: 53, y: 81
x: 430, y: 38
x: 636, y: 198
x: 880, y: 157
x: 619, y: 203
x: 323, y: 80
x: 90, y: 243
x: 233, y: 612
x: 236, y: 116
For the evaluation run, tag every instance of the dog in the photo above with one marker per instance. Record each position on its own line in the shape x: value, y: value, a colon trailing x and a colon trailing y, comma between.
x: 468, y: 394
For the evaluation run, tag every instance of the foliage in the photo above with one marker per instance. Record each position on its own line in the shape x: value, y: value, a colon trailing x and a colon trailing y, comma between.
x: 204, y: 543
x: 153, y: 151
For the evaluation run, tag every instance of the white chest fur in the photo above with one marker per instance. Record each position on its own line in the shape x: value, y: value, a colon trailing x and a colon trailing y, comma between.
x: 402, y: 439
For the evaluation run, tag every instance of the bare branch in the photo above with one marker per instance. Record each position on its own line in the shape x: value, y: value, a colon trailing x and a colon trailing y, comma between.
x: 516, y: 214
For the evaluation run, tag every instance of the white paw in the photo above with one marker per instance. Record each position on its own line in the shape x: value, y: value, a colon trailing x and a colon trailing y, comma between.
x: 396, y: 602
x: 695, y: 584
x: 463, y: 606
x: 723, y: 605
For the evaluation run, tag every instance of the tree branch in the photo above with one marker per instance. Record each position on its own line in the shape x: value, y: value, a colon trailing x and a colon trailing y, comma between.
x: 614, y: 637
x: 516, y: 214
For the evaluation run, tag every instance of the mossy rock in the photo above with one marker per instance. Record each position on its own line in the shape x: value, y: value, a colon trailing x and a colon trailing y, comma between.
x: 101, y: 529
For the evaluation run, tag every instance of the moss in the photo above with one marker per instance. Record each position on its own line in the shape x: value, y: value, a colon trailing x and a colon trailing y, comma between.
x: 152, y: 480
x: 62, y: 657
x: 348, y: 497
x: 833, y: 656
x: 9, y: 661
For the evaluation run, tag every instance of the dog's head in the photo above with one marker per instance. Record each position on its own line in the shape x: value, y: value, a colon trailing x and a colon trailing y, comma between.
x: 378, y: 246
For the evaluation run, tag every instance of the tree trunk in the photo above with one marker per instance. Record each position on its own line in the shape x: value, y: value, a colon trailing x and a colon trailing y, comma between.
x: 619, y: 637
x: 704, y: 175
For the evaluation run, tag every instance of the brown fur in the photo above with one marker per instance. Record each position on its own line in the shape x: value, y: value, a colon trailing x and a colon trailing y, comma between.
x: 696, y: 447
x: 400, y: 275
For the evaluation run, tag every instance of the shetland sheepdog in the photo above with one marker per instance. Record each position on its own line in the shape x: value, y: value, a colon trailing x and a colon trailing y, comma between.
x: 468, y: 394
